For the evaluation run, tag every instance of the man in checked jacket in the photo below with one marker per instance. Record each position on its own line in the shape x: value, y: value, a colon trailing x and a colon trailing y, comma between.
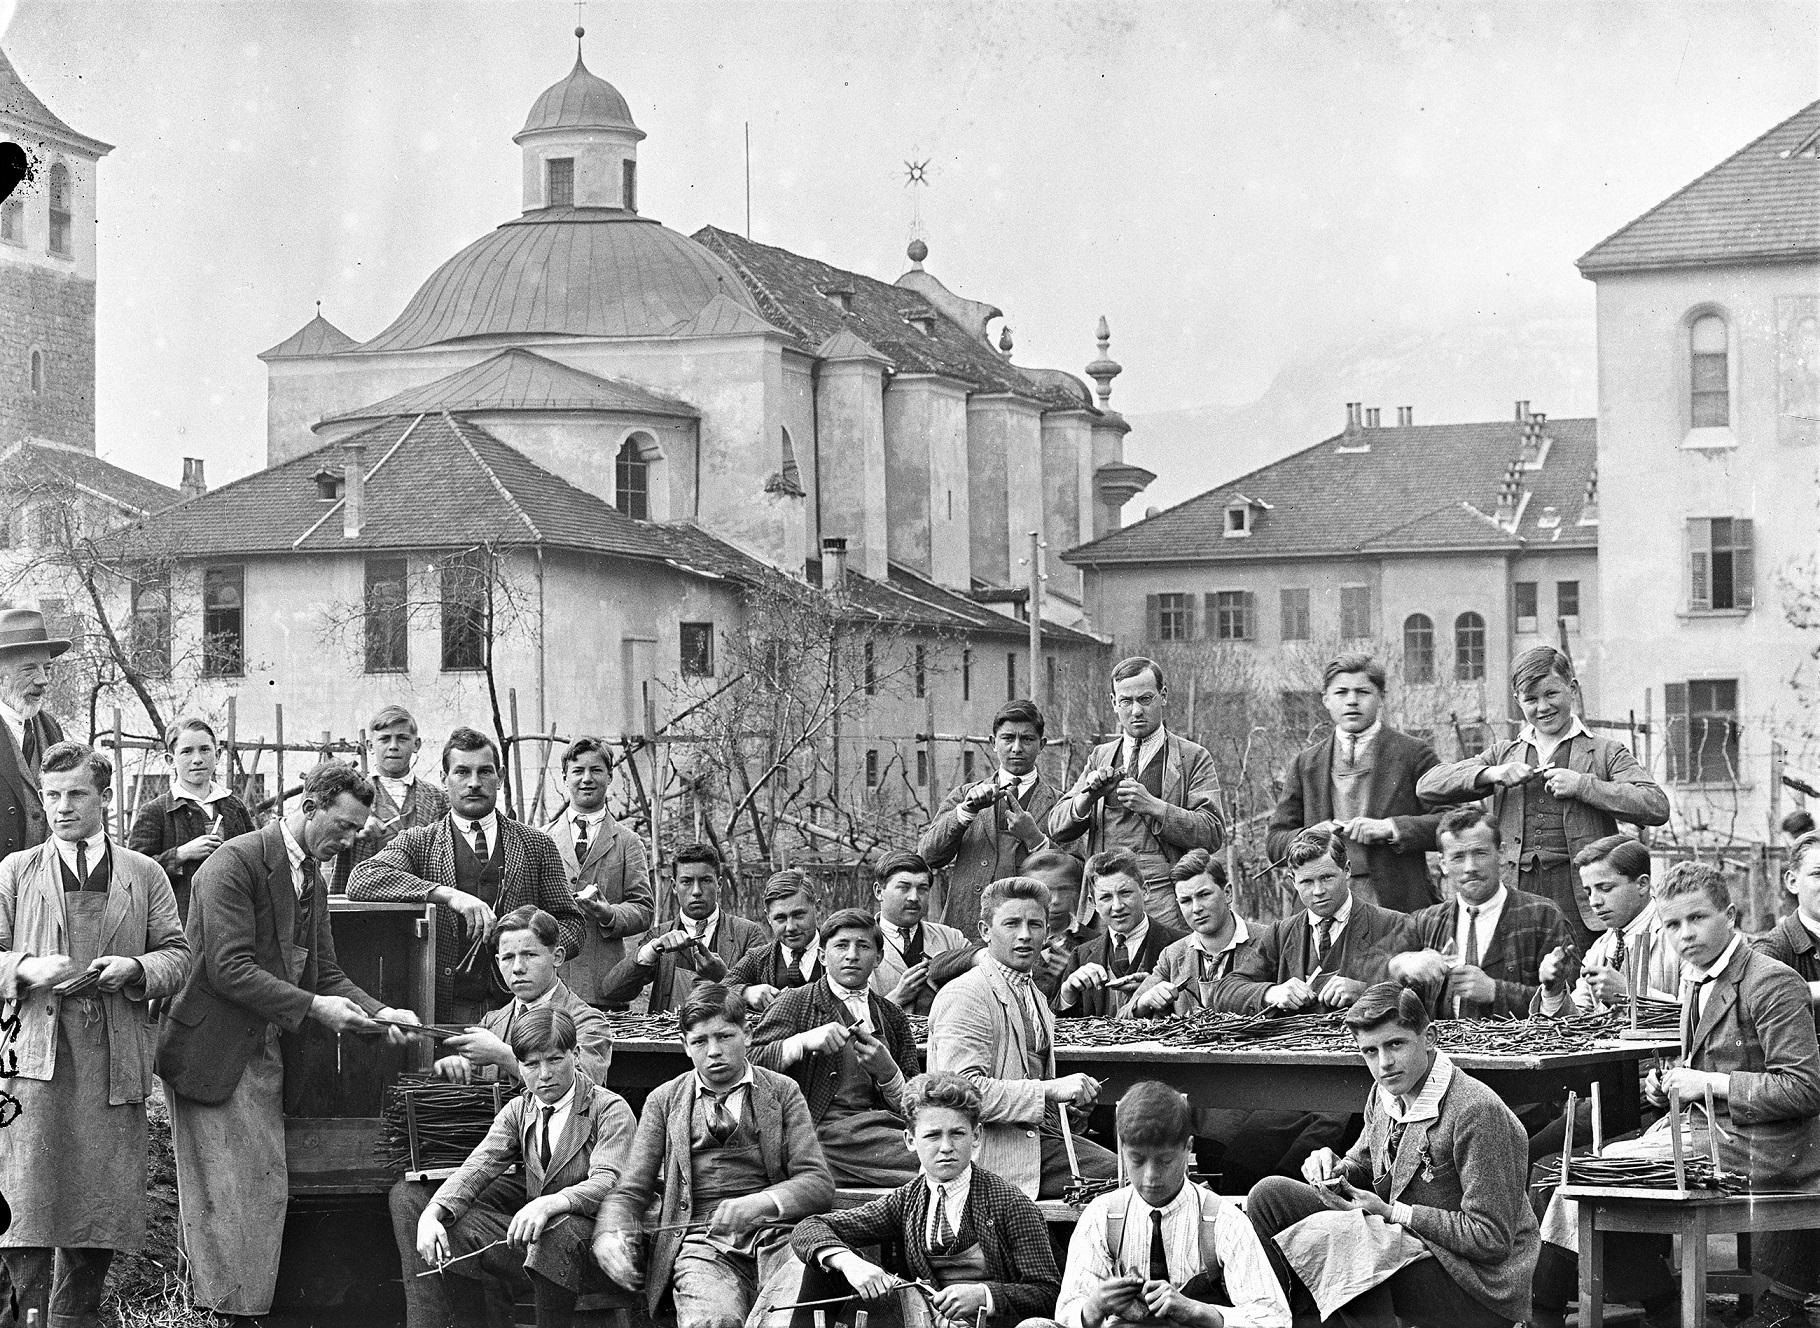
x: 473, y: 864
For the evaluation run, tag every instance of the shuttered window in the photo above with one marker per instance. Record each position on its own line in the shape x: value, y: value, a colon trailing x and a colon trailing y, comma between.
x: 1169, y: 617
x: 1355, y: 612
x: 1294, y: 613
x: 1231, y: 615
x: 1702, y: 731
x: 1720, y: 565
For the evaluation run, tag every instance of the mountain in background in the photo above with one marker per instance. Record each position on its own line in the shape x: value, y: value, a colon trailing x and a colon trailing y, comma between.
x: 1470, y: 373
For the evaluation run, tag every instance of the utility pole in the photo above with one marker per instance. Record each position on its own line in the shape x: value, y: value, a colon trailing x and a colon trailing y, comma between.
x: 1036, y: 611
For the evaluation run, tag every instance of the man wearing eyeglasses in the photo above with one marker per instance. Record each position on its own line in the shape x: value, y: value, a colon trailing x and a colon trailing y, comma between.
x: 1148, y: 790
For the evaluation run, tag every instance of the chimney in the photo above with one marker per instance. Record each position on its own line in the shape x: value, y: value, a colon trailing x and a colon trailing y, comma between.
x: 1522, y: 410
x: 834, y: 565
x: 1371, y: 418
x: 1406, y: 417
x: 1352, y: 416
x: 1510, y: 493
x: 353, y: 487
x: 193, y: 486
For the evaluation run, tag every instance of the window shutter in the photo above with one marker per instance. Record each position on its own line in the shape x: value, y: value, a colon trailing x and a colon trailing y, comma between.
x: 1210, y: 615
x: 1699, y: 567
x: 1743, y: 564
x: 1249, y: 602
x: 1674, y: 705
x: 1153, y: 618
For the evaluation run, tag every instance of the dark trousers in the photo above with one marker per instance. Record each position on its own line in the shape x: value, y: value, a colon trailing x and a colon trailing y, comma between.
x: 63, y: 1286
x: 427, y: 1300
x: 1276, y: 1143
x: 1097, y: 1163
x: 1560, y: 882
x: 1420, y: 1294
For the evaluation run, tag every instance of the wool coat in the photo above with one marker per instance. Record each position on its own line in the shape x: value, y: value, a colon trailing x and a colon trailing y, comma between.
x: 139, y: 921
x: 167, y: 823
x: 1014, y: 1240
x: 1099, y: 1002
x: 733, y: 937
x: 1398, y: 871
x: 938, y: 939
x: 1528, y: 929
x: 981, y: 851
x: 1180, y: 963
x: 1285, y: 950
x: 420, y: 860
x: 22, y: 823
x: 976, y: 1031
x: 1191, y: 788
x: 1791, y: 943
x: 1464, y: 1175
x: 621, y: 904
x: 766, y: 965
x: 818, y: 1074
x: 249, y: 973
x: 795, y: 1172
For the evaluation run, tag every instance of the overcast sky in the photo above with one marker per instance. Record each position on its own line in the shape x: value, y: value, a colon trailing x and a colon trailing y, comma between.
x: 1232, y: 184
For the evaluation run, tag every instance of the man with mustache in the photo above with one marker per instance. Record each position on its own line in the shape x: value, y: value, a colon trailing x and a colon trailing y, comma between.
x: 26, y: 652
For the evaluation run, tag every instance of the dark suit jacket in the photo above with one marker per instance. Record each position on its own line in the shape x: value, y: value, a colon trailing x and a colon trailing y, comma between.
x: 248, y: 973
x: 22, y: 823
x: 733, y: 936
x: 1285, y: 950
x: 1398, y: 871
x: 1014, y: 1240
x: 1094, y: 1004
x: 1758, y: 1027
x: 979, y: 853
x: 161, y: 827
x: 1528, y: 929
x: 764, y: 965
x: 1791, y: 943
x: 418, y: 861
x: 796, y: 1173
x: 818, y: 1074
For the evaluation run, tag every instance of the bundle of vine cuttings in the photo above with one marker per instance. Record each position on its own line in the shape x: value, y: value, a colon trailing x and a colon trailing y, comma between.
x: 1646, y: 1173
x: 657, y: 1027
x: 451, y: 1120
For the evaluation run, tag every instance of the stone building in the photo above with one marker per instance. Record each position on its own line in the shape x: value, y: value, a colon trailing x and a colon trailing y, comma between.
x: 1709, y: 415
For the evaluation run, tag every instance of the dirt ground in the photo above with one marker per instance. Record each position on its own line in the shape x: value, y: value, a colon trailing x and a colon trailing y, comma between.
x: 145, y: 1287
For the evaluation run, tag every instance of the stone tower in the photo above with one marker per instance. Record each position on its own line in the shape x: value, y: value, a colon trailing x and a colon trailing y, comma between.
x: 47, y: 275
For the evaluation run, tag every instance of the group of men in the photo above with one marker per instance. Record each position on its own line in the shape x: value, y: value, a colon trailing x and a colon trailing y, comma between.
x: 715, y: 1198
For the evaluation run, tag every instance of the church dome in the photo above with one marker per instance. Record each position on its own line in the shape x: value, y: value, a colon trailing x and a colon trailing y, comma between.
x: 580, y: 101
x: 575, y: 272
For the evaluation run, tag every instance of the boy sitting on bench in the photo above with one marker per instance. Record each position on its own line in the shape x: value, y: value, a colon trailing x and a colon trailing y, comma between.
x: 734, y: 1151
x: 1163, y: 1250
x: 974, y: 1237
x: 569, y: 1140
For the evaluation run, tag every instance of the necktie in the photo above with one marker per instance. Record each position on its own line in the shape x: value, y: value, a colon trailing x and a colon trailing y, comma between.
x: 481, y: 850
x: 1472, y: 935
x: 944, y: 1232
x: 28, y: 745
x: 1690, y: 1018
x: 1159, y: 1254
x: 82, y: 865
x: 1131, y: 765
x: 1121, y: 955
x: 312, y: 876
x: 720, y: 1120
x: 1618, y: 952
x: 581, y: 838
x: 1031, y: 1047
x: 793, y: 967
x: 913, y: 945
x: 1323, y: 941
x: 543, y: 1143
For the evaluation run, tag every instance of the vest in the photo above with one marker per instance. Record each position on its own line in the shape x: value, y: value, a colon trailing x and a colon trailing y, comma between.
x: 723, y: 1171
x: 1351, y: 784
x: 1123, y: 829
x: 100, y: 874
x: 473, y: 876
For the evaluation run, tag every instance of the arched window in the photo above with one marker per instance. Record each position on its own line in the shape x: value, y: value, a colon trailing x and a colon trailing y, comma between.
x: 60, y: 209
x: 1469, y: 647
x: 631, y: 481
x: 1418, y: 648
x: 37, y: 372
x: 1709, y: 383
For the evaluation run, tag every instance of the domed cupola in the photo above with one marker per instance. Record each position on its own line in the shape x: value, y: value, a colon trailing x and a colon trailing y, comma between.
x: 580, y: 145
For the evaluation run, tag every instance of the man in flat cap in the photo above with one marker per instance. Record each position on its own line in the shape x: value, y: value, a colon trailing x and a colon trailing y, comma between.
x: 27, y: 730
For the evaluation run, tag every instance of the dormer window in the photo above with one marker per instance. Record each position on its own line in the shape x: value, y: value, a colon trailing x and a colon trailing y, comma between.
x: 328, y: 485
x: 560, y: 186
x: 1238, y: 520
x: 922, y: 321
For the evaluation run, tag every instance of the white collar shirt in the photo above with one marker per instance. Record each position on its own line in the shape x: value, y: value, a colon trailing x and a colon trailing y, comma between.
x: 1813, y: 927
x: 952, y: 1198
x: 520, y: 1008
x: 1702, y: 977
x: 1023, y: 986
x: 1146, y: 753
x: 489, y: 823
x: 296, y: 854
x: 1426, y: 1104
x: 805, y: 962
x: 558, y: 1121
x: 397, y: 789
x: 1546, y: 747
x: 1359, y: 744
x: 214, y: 793
x: 1489, y: 914
x: 703, y: 930
x: 856, y: 1002
x: 14, y: 721
x: 94, y: 849
x: 736, y: 1095
x: 1133, y: 940
x: 1340, y: 920
x: 1222, y: 957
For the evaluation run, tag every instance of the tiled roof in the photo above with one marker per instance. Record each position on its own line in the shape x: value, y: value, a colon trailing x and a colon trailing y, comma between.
x: 31, y: 464
x: 518, y: 379
x: 1424, y: 488
x: 575, y: 272
x: 582, y: 100
x: 317, y: 337
x: 790, y: 291
x: 1761, y: 204
x: 19, y: 102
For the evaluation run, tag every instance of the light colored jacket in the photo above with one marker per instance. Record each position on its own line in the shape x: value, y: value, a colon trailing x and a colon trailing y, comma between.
x: 975, y: 1030
x: 140, y: 921
x: 585, y: 1161
x: 1180, y: 963
x: 1191, y: 788
x: 621, y: 905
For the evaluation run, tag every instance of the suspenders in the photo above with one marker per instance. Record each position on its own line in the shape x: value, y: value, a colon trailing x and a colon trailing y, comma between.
x: 1121, y: 1204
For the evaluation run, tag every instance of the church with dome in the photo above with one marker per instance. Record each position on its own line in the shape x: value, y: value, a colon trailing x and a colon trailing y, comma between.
x: 649, y: 421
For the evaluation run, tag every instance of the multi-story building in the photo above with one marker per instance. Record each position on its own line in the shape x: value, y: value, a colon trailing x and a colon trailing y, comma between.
x: 1709, y: 415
